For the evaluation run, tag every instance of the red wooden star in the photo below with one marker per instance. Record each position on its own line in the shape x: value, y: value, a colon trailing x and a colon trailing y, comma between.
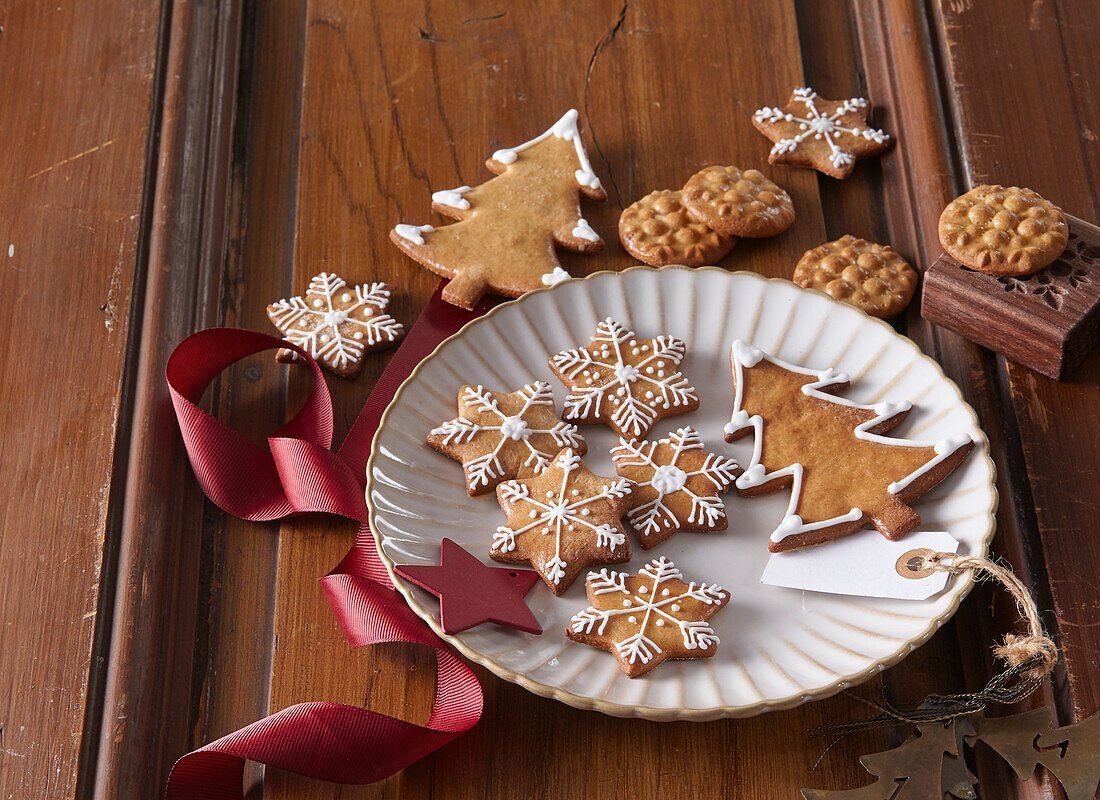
x: 471, y: 593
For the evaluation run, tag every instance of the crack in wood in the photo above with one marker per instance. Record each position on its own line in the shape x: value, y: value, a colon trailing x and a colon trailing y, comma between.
x: 600, y: 47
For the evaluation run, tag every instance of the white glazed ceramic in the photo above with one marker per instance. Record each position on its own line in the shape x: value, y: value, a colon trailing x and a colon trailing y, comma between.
x: 779, y: 647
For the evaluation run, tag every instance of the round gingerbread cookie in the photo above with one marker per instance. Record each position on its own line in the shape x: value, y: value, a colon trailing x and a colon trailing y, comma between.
x: 658, y: 231
x: 1003, y: 231
x: 738, y: 202
x: 866, y: 275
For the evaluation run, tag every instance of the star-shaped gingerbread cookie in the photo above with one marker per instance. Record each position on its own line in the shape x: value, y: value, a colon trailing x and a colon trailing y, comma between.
x: 647, y: 618
x: 828, y: 135
x: 678, y: 485
x: 335, y: 323
x: 501, y: 436
x: 562, y: 521
x: 625, y: 380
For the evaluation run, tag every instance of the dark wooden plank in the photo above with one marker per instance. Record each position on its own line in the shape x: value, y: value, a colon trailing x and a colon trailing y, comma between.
x: 73, y: 174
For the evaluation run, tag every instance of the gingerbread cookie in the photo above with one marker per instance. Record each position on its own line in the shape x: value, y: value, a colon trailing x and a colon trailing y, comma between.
x: 508, y: 227
x: 1003, y: 231
x: 844, y: 472
x: 827, y: 135
x: 501, y: 436
x: 336, y: 324
x: 864, y: 274
x: 658, y: 231
x: 624, y: 380
x: 678, y: 485
x: 562, y: 521
x: 650, y: 617
x: 738, y: 202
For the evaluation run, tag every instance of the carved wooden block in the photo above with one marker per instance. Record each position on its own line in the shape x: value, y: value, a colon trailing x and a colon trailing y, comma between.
x: 1048, y: 321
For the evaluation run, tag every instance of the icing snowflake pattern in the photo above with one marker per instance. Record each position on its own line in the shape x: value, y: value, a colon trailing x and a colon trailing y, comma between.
x: 625, y: 379
x: 657, y: 598
x: 483, y: 470
x: 336, y: 323
x: 820, y: 126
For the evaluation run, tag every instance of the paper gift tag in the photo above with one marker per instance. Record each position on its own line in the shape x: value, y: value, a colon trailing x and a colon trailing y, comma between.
x: 865, y: 564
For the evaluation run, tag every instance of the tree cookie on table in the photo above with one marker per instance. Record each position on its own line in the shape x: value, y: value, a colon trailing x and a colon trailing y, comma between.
x: 657, y: 230
x: 336, y: 324
x: 844, y: 472
x: 828, y: 135
x: 624, y: 380
x: 738, y: 202
x: 563, y: 521
x: 1003, y: 231
x: 508, y: 227
x: 650, y: 617
x: 500, y: 436
x: 866, y: 275
x: 678, y: 485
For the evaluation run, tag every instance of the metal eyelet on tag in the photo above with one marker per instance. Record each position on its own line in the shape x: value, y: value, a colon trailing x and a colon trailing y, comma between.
x: 908, y: 564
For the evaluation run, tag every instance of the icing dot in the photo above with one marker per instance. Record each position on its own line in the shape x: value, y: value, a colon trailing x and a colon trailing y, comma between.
x: 345, y: 298
x: 664, y: 593
x: 660, y: 623
x: 675, y: 606
x: 620, y: 391
x: 549, y: 494
x: 645, y: 347
x: 660, y: 363
x: 533, y: 514
x: 627, y: 603
x: 546, y: 530
x: 571, y: 527
x: 596, y: 375
x: 660, y: 373
x: 575, y: 492
x: 586, y: 373
x: 635, y: 351
x: 633, y: 343
x: 318, y: 303
x: 643, y: 590
x: 633, y: 619
x: 324, y: 337
x: 649, y: 370
x: 358, y: 334
x: 649, y: 395
x: 585, y: 512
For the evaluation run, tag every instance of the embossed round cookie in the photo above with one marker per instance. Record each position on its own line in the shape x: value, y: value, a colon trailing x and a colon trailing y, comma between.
x: 1003, y: 231
x: 738, y: 202
x: 658, y: 231
x: 863, y: 274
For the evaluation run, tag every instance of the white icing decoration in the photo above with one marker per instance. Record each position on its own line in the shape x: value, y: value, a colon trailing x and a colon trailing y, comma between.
x: 452, y: 198
x: 414, y: 233
x: 487, y: 467
x: 555, y: 277
x: 633, y: 414
x: 564, y: 128
x: 335, y: 334
x: 650, y: 518
x: 557, y: 511
x: 820, y: 126
x: 697, y: 634
x: 744, y: 355
x: 584, y: 231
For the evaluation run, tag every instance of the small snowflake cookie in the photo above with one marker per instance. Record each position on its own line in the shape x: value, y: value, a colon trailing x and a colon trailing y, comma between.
x: 866, y: 275
x: 1003, y: 231
x: 563, y: 521
x: 738, y: 202
x: 678, y: 485
x: 647, y: 618
x: 657, y: 230
x: 501, y: 436
x: 828, y: 135
x: 624, y: 380
x: 336, y: 324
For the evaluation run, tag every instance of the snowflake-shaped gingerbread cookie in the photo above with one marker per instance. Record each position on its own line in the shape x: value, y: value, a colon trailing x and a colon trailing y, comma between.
x: 501, y: 436
x: 647, y: 618
x: 678, y: 485
x: 562, y: 521
x: 828, y: 135
x: 625, y: 380
x: 335, y: 323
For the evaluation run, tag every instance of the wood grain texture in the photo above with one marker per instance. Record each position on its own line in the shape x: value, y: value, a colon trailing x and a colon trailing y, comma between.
x: 73, y: 173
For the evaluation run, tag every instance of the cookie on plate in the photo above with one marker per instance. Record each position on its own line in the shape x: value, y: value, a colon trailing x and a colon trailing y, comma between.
x: 562, y: 521
x: 650, y: 617
x: 624, y: 380
x: 738, y: 202
x: 657, y: 230
x: 1003, y: 231
x: 678, y: 485
x: 500, y: 436
x: 866, y: 275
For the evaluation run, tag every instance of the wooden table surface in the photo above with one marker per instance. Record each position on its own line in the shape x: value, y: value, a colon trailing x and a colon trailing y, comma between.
x: 173, y: 167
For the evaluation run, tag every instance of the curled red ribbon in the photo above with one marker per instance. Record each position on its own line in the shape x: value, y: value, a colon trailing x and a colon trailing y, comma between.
x: 299, y: 473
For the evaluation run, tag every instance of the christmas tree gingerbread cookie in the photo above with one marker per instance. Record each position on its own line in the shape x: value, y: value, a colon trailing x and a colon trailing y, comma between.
x: 501, y: 436
x: 650, y: 617
x: 508, y: 227
x: 563, y: 521
x: 625, y: 380
x: 843, y: 472
x: 678, y: 485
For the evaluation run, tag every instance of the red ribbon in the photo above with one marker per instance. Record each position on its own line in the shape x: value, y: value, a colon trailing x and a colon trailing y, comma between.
x: 299, y: 473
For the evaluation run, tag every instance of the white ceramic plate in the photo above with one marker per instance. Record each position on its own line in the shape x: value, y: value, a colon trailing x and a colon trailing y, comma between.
x: 779, y: 647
